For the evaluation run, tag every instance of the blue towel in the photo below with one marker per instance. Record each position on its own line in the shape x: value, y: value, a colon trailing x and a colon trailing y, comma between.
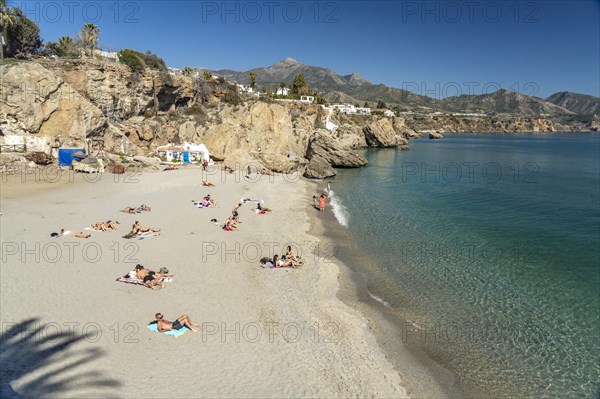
x: 175, y: 333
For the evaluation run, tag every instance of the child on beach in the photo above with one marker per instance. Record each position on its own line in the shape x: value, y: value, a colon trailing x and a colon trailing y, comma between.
x: 322, y: 202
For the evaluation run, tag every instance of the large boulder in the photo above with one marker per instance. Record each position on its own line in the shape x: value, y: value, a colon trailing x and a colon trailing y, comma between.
x: 435, y: 136
x: 380, y: 133
x: 318, y: 168
x: 323, y: 145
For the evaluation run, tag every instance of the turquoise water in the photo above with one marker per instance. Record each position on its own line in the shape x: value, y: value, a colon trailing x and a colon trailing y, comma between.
x: 490, y: 245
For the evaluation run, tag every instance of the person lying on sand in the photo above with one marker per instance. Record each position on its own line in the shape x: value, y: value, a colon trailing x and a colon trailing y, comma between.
x: 79, y: 234
x: 144, y: 208
x: 227, y: 169
x: 206, y: 183
x: 149, y: 277
x: 170, y: 167
x: 279, y: 263
x: 165, y: 325
x: 131, y: 210
x: 260, y: 210
x: 104, y: 226
x: 266, y: 172
x: 137, y: 229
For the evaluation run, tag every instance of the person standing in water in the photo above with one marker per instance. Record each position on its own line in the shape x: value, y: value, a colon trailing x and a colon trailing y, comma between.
x: 322, y: 202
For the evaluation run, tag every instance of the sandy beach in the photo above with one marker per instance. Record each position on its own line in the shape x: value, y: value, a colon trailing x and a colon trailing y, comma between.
x: 69, y: 330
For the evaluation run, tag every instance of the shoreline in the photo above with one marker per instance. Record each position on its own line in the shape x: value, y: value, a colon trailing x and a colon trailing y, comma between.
x: 423, y: 376
x: 226, y: 292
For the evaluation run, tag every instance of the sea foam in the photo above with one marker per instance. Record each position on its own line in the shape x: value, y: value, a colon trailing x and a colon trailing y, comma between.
x: 340, y: 212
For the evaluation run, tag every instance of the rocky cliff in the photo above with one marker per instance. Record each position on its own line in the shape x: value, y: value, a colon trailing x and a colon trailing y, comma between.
x: 50, y: 103
x: 66, y: 102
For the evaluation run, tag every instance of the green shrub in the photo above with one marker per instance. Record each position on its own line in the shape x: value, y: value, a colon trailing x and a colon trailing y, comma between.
x: 132, y: 59
x: 232, y: 98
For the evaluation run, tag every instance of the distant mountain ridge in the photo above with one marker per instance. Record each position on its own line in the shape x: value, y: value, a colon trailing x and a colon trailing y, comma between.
x: 581, y: 104
x: 354, y: 88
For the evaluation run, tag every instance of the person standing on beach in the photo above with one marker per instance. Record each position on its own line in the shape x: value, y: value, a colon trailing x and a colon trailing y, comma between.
x: 329, y: 188
x: 322, y: 202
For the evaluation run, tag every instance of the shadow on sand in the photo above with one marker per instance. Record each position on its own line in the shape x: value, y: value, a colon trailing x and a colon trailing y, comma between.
x: 49, y: 364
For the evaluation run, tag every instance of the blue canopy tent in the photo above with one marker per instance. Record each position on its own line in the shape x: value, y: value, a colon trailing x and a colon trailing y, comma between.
x: 65, y: 155
x: 186, y: 157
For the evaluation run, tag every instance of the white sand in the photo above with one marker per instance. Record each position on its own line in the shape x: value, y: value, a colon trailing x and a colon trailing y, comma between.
x: 216, y: 290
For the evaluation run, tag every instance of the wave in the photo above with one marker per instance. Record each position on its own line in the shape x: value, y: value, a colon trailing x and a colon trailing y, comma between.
x: 380, y: 300
x: 340, y: 212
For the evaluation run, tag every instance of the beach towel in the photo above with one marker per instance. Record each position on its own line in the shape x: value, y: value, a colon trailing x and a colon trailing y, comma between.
x: 174, y: 333
x: 134, y: 281
x: 137, y: 281
x: 255, y: 200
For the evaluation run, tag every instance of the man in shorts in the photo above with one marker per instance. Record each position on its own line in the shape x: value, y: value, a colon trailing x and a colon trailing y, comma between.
x: 165, y: 325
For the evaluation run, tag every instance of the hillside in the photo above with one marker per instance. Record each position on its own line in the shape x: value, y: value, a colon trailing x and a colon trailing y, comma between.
x: 354, y: 88
x: 581, y: 104
x: 504, y: 102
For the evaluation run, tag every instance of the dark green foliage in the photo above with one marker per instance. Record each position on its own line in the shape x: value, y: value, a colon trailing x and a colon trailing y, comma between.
x: 23, y: 37
x: 232, y: 97
x: 139, y: 61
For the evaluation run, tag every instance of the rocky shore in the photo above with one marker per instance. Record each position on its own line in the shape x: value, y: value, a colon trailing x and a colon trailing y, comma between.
x: 51, y: 103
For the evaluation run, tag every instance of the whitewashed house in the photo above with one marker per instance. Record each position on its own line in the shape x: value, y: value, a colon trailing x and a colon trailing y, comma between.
x: 185, y: 153
x: 307, y: 99
x: 389, y: 113
x: 282, y: 91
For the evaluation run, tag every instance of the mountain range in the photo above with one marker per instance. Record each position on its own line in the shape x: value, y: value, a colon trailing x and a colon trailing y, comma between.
x: 354, y: 88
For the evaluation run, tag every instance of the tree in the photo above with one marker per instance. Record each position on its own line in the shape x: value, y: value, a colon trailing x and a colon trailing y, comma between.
x: 381, y: 104
x: 64, y: 47
x: 7, y: 19
x: 22, y: 36
x: 89, y: 37
x: 188, y: 71
x: 252, y: 77
x: 207, y: 75
x: 299, y: 86
x: 366, y: 105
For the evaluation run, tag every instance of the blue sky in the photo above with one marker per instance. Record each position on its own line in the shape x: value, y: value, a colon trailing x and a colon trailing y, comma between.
x: 436, y: 48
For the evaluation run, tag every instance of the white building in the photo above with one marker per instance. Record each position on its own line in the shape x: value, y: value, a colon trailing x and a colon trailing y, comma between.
x: 186, y: 153
x: 350, y: 109
x: 307, y: 99
x: 389, y: 113
x: 109, y: 55
x: 282, y: 91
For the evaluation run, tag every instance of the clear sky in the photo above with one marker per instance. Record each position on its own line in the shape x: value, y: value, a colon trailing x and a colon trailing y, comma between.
x: 436, y: 48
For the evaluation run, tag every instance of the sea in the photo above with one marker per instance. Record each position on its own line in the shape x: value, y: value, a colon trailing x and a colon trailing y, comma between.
x: 489, y: 245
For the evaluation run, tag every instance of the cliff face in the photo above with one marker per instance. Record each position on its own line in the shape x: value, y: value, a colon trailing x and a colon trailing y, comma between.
x: 120, y: 93
x: 40, y: 107
x: 64, y: 103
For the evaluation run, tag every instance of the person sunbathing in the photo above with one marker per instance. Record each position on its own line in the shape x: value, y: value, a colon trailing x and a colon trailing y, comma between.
x: 229, y: 225
x: 165, y: 325
x: 279, y: 263
x: 144, y: 207
x: 290, y: 256
x: 208, y: 202
x: 149, y: 277
x: 206, y: 183
x: 139, y: 230
x: 266, y: 172
x: 104, y: 226
x: 131, y: 210
x: 79, y: 234
x: 170, y: 167
x: 260, y: 210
